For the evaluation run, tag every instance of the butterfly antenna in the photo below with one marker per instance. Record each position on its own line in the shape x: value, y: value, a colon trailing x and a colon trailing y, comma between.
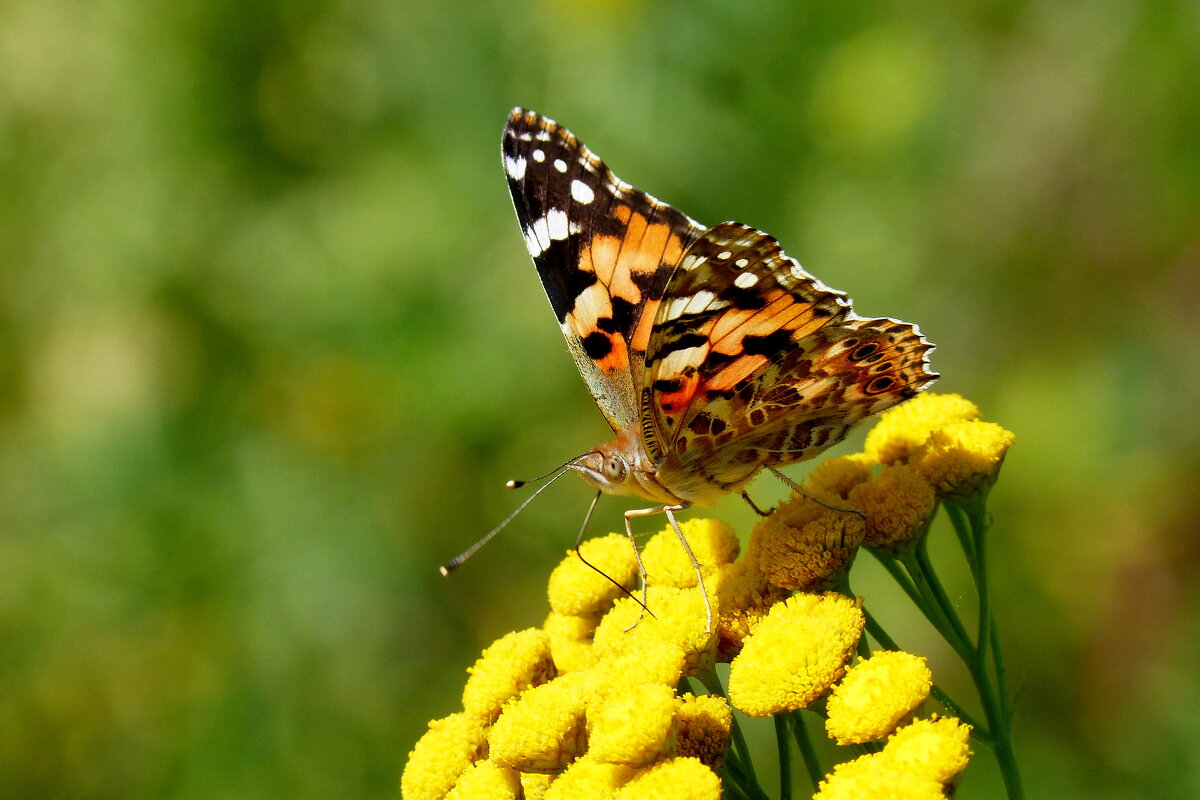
x: 552, y: 475
x: 556, y: 472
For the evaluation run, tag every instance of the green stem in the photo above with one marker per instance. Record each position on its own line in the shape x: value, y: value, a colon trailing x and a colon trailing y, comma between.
x: 785, y: 757
x: 935, y: 605
x: 993, y: 693
x: 807, y: 752
x: 899, y: 576
x: 962, y: 529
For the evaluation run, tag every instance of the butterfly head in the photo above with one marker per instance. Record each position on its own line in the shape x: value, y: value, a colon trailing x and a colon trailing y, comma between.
x: 622, y: 466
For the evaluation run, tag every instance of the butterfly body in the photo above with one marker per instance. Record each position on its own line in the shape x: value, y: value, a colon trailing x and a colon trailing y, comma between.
x: 711, y: 353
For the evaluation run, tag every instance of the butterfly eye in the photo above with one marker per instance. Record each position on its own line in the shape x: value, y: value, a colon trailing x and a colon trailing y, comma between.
x: 614, y: 469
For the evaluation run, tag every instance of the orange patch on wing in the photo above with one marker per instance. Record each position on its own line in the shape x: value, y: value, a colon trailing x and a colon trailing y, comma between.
x: 600, y: 256
x: 764, y: 321
x: 676, y: 401
x: 641, y: 334
x: 737, y: 370
x: 618, y: 358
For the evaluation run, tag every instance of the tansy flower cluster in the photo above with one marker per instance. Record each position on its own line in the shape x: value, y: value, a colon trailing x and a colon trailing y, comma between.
x: 604, y: 700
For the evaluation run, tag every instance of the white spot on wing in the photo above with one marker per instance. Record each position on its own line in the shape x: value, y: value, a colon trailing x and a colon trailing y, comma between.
x: 539, y: 156
x: 582, y: 192
x: 515, y: 167
x: 742, y: 263
x: 537, y: 237
x: 700, y: 301
x: 560, y: 165
x: 745, y: 280
x: 724, y: 254
x: 556, y: 224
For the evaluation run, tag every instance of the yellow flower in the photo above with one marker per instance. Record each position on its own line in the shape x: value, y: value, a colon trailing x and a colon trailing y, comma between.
x: 807, y: 546
x: 577, y: 590
x: 570, y: 641
x: 833, y: 478
x: 876, y: 695
x: 679, y: 618
x: 903, y: 429
x: 795, y: 653
x: 483, y: 780
x: 449, y: 746
x: 961, y: 461
x: 643, y: 660
x: 513, y: 663
x: 543, y: 729
x: 743, y: 596
x: 588, y: 779
x: 917, y: 762
x: 673, y: 779
x: 535, y: 785
x: 899, y: 505
x: 869, y: 777
x: 713, y: 543
x: 705, y: 724
x: 938, y: 748
x: 635, y: 726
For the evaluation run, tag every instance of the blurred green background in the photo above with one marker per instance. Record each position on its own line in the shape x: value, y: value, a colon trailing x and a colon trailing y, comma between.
x: 270, y: 343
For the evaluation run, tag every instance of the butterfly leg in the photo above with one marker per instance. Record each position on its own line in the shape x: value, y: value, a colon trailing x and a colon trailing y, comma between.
x: 669, y: 511
x: 754, y: 505
x: 637, y: 556
x: 801, y: 490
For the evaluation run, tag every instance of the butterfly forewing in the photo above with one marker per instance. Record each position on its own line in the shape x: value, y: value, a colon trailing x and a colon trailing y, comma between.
x: 603, y: 250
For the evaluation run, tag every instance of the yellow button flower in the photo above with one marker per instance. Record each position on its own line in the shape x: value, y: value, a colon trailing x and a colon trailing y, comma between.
x: 833, y: 478
x: 577, y: 590
x: 704, y: 725
x: 876, y: 695
x: 899, y: 505
x: 513, y: 663
x: 641, y: 660
x: 678, y: 617
x: 673, y: 779
x: 918, y: 762
x: 961, y: 461
x: 449, y: 746
x: 483, y: 780
x: 795, y: 653
x: 870, y: 777
x: 570, y: 641
x: 903, y: 429
x: 543, y: 729
x: 635, y: 726
x: 744, y: 596
x: 588, y: 779
x: 938, y: 748
x: 713, y: 543
x: 804, y: 545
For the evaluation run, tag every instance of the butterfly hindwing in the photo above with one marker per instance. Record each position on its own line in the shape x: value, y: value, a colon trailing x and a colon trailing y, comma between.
x: 752, y: 361
x: 603, y: 249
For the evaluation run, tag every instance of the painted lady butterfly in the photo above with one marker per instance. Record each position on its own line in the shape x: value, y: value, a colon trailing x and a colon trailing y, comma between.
x: 711, y: 353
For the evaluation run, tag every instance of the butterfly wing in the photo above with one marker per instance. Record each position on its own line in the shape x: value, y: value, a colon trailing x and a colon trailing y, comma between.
x: 752, y: 361
x: 603, y: 249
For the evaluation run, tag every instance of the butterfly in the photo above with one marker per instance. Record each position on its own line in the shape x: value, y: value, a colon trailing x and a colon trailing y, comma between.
x: 710, y: 352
